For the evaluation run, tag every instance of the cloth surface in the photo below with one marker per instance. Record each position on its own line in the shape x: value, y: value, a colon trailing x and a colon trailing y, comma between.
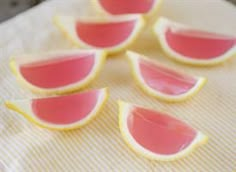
x: 98, y: 146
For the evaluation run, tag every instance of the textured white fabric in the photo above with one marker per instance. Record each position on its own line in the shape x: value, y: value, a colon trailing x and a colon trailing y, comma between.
x: 99, y: 147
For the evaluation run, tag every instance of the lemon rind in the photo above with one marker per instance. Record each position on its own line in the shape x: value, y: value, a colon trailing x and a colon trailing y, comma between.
x: 100, y: 10
x: 71, y: 35
x: 124, y: 109
x: 159, y: 28
x: 100, y: 58
x: 133, y: 59
x: 33, y: 119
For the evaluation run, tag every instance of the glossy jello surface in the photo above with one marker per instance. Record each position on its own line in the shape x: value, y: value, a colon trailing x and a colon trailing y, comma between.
x: 104, y: 34
x: 127, y: 6
x: 197, y: 44
x: 165, y: 80
x: 158, y: 132
x: 58, y: 72
x: 65, y: 109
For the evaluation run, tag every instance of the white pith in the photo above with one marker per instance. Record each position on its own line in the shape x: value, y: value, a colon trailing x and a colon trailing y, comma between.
x: 160, y: 28
x: 26, y: 59
x: 134, y: 58
x: 101, y: 8
x: 67, y: 23
x: 125, y: 110
x: 25, y: 106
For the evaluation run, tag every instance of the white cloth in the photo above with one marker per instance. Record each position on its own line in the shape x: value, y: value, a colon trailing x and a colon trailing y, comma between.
x: 98, y: 146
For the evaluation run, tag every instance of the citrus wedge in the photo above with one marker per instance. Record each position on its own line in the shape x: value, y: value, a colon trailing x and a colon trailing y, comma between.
x: 58, y: 72
x: 157, y: 135
x: 62, y: 112
x: 111, y: 34
x: 118, y: 7
x: 192, y: 46
x: 162, y: 82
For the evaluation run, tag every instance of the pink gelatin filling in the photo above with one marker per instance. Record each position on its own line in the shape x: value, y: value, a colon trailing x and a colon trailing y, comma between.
x: 65, y: 109
x: 127, y: 6
x: 158, y: 132
x: 198, y: 44
x: 165, y: 80
x: 104, y: 35
x: 58, y: 72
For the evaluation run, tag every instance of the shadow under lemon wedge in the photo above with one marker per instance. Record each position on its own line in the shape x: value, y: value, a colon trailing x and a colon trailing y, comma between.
x: 58, y: 72
x: 62, y: 112
x: 156, y: 135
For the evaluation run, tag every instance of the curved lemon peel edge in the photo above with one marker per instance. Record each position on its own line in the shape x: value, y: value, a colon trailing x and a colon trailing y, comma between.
x: 110, y: 51
x: 56, y: 22
x: 101, y: 11
x: 36, y: 90
x: 183, y: 60
x: 121, y: 105
x: 201, y: 81
x: 17, y: 109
